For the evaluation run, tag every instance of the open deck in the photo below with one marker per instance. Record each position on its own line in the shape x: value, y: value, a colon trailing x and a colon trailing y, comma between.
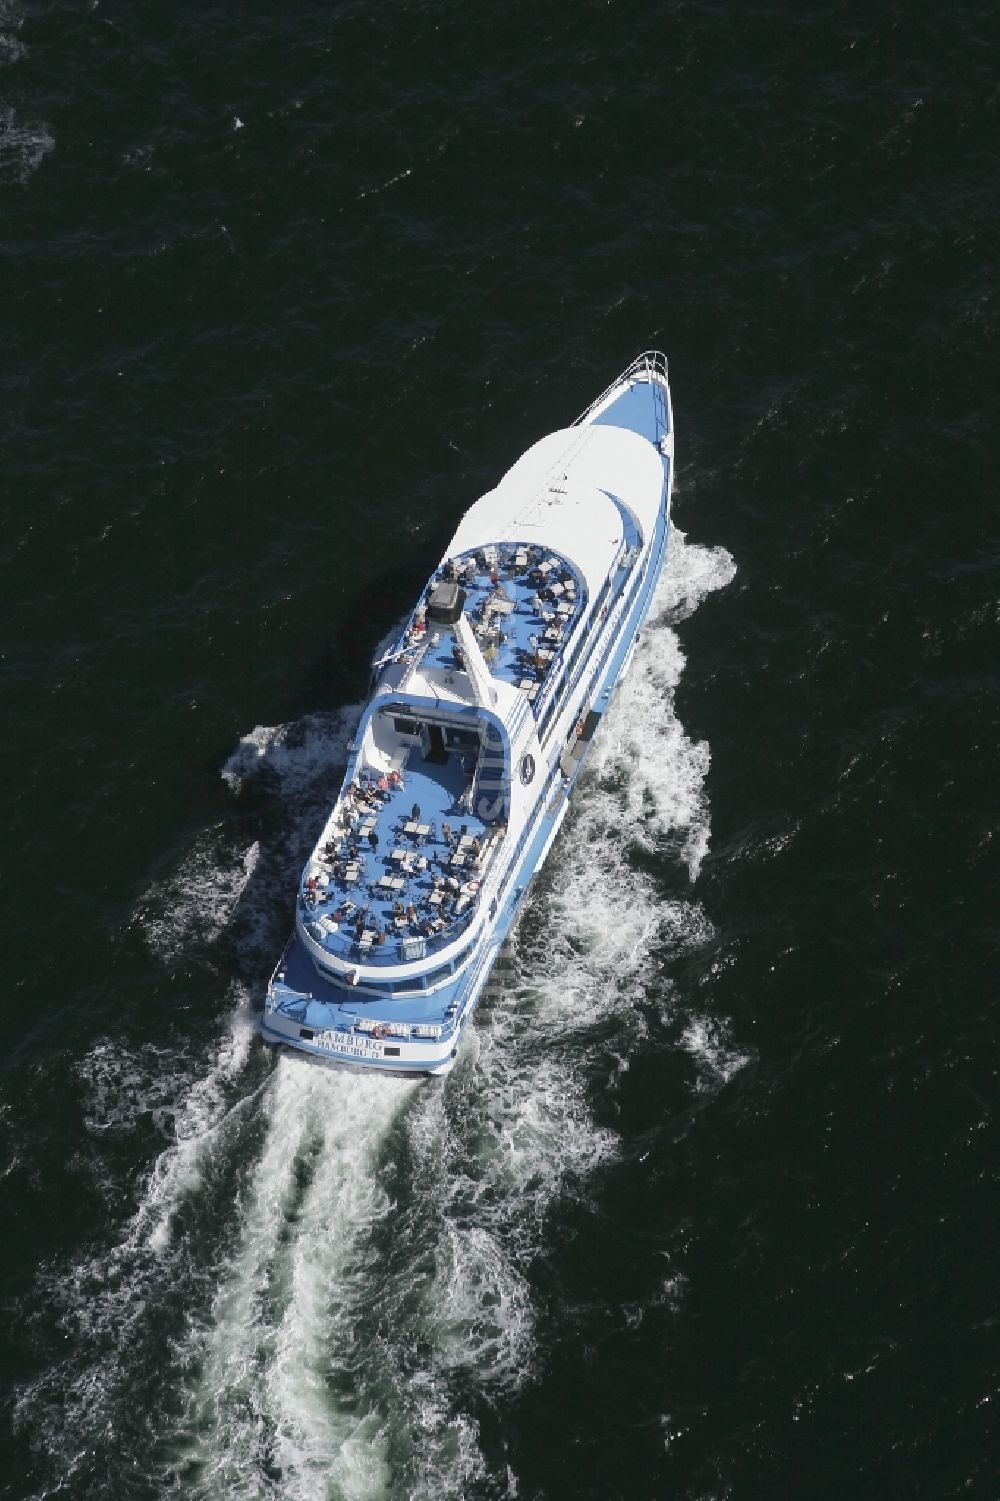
x: 522, y: 601
x: 402, y: 880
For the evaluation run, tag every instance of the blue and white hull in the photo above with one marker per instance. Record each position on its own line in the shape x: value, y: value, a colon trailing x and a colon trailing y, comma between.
x: 479, y: 722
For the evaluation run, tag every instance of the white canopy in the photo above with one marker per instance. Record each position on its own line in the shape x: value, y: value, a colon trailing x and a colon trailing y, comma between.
x: 553, y: 497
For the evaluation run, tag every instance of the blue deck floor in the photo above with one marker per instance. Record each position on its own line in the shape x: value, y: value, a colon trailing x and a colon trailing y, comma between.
x: 521, y: 611
x: 436, y: 791
x: 639, y: 408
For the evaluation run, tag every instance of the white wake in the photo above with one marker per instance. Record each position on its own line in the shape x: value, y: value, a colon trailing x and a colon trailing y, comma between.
x: 377, y: 1267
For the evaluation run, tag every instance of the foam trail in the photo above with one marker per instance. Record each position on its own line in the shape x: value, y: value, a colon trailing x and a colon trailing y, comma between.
x: 11, y: 21
x: 197, y: 903
x: 122, y: 1086
x: 718, y: 1059
x: 514, y: 1130
x: 22, y: 147
x: 375, y: 1277
x: 203, y: 1113
x: 651, y: 775
x: 692, y: 573
x: 280, y: 1342
x: 300, y: 755
x: 208, y: 1103
x: 101, y: 1301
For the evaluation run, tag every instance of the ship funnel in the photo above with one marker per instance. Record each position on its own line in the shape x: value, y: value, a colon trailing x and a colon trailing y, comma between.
x: 446, y: 603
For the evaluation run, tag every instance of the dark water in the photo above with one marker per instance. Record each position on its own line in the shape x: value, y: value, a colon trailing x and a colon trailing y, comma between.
x: 709, y: 1207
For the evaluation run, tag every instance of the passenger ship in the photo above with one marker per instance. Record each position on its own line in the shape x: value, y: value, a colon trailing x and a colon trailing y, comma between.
x: 479, y: 721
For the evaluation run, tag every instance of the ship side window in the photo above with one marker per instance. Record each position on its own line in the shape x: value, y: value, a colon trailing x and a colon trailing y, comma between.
x: 546, y: 719
x: 462, y: 739
x: 405, y: 726
x: 575, y: 656
x: 437, y: 975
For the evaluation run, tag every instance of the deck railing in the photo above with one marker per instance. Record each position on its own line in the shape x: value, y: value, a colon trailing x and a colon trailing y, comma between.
x: 404, y: 949
x: 652, y: 365
x: 414, y: 945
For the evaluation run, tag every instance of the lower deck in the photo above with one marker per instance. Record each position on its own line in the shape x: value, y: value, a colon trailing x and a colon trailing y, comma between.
x: 324, y: 1004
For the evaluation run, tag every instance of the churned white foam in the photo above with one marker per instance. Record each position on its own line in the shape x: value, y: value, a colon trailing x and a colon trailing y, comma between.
x: 466, y: 1150
x: 188, y: 1101
x: 199, y: 1118
x: 692, y: 573
x: 305, y: 753
x: 11, y: 21
x: 197, y: 902
x: 280, y: 1354
x: 299, y: 755
x: 194, y: 1100
x: 446, y: 1457
x: 650, y: 773
x: 717, y: 1057
x: 302, y: 764
x: 481, y: 1316
x: 22, y: 147
x: 100, y: 1301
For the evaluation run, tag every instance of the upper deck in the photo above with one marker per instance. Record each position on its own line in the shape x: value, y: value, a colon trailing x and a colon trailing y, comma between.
x: 523, y: 603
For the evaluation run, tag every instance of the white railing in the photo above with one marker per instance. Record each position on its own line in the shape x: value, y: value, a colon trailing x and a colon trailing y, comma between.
x: 652, y: 365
